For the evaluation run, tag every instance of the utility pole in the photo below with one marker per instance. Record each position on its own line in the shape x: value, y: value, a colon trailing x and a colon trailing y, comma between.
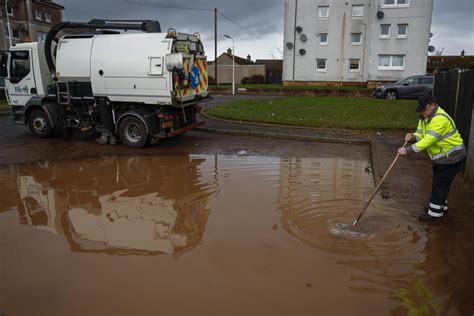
x: 8, y: 24
x: 215, y: 45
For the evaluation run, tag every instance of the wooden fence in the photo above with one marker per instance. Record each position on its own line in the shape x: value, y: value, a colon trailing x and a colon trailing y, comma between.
x: 454, y: 91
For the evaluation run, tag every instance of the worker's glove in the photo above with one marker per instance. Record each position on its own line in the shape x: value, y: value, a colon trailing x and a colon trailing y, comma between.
x: 409, y: 137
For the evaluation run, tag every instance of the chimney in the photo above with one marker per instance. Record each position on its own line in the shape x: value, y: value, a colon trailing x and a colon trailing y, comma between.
x: 229, y: 51
x: 249, y: 58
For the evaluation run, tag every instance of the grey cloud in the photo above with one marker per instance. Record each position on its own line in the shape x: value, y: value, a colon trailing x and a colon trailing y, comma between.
x: 452, y: 20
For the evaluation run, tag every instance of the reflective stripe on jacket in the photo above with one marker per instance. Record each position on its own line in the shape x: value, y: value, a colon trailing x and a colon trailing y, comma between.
x: 439, y: 136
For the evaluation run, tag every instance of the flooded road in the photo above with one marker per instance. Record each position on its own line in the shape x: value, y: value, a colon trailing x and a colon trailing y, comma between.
x: 219, y: 235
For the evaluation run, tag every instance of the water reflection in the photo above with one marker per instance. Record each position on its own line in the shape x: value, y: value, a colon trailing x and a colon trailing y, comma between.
x: 118, y: 205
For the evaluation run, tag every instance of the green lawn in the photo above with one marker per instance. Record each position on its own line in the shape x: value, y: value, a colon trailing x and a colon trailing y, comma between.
x: 279, y: 86
x: 324, y: 112
x: 4, y: 105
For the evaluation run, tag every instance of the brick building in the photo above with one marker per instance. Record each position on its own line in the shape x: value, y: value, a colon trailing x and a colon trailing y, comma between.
x: 30, y: 20
x: 244, y: 67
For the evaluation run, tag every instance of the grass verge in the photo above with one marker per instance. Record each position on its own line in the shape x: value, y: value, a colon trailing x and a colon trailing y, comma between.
x: 324, y: 112
x: 278, y: 86
x: 4, y: 105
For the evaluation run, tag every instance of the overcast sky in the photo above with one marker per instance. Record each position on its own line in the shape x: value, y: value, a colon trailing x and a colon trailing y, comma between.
x: 257, y: 25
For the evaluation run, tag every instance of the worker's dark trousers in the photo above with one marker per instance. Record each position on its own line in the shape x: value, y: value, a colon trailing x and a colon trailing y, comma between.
x: 443, y: 176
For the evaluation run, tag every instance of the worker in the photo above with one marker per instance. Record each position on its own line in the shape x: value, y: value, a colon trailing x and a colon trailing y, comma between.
x: 437, y: 134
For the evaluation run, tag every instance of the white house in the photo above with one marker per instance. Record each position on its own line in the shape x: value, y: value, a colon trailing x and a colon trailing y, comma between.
x: 355, y: 41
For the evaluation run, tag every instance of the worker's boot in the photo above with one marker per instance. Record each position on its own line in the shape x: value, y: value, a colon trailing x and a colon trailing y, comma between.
x: 433, y: 213
x: 425, y: 217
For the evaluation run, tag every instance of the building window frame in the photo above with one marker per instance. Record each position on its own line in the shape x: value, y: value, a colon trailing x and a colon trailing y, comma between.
x: 10, y: 11
x: 355, y: 16
x: 390, y: 65
x: 381, y: 29
x: 38, y: 15
x: 395, y: 3
x: 351, y: 63
x: 47, y: 17
x: 406, y: 30
x: 360, y: 39
x: 320, y: 12
x: 323, y: 43
x: 318, y: 69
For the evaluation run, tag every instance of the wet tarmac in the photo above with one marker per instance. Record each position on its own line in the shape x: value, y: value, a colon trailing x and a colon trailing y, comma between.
x: 219, y: 235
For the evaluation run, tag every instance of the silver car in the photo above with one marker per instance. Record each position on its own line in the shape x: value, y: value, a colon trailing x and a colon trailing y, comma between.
x: 408, y: 88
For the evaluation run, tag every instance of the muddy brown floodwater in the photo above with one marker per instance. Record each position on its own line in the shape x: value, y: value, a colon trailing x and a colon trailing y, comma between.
x: 217, y: 235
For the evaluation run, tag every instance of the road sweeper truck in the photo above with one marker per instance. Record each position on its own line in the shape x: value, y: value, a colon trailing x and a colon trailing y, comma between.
x: 109, y: 79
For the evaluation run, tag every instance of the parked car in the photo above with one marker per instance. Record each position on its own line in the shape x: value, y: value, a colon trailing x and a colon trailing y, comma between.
x: 408, y: 88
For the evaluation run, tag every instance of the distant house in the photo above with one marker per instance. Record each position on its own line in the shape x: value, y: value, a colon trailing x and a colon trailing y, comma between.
x: 244, y: 67
x: 444, y: 63
x: 273, y: 69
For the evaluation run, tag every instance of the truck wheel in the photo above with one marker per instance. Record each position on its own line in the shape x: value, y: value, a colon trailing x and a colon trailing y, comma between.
x: 391, y: 95
x: 39, y: 124
x: 133, y: 132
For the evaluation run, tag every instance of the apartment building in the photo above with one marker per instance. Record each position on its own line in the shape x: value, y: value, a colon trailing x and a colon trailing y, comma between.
x: 30, y: 20
x: 355, y: 42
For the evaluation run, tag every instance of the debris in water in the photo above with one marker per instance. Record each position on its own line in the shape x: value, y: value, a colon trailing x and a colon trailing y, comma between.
x: 344, y: 230
x: 274, y: 227
x: 242, y: 153
x: 308, y: 284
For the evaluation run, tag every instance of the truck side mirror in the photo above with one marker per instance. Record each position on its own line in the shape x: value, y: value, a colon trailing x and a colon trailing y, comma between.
x: 3, y: 64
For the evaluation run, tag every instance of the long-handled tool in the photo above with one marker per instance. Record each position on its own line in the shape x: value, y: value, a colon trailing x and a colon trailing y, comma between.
x: 378, y: 187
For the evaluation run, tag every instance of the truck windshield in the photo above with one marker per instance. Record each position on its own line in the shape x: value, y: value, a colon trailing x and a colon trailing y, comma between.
x: 19, y: 65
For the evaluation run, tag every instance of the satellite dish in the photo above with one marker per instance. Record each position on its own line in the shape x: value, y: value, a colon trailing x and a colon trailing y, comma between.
x: 299, y: 29
x: 431, y: 48
x: 303, y: 37
x: 431, y: 34
x: 380, y: 15
x: 289, y: 45
x: 302, y: 52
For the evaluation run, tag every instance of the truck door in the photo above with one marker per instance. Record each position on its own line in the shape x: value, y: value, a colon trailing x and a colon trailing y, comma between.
x: 20, y: 83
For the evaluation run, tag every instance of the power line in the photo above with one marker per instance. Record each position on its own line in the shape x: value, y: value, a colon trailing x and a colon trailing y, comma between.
x: 164, y: 5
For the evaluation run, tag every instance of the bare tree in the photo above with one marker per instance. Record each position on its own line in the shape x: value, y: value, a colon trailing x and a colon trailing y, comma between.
x: 438, y: 52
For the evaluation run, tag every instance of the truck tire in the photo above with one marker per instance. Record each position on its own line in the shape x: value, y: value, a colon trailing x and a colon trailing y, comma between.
x: 133, y: 132
x: 39, y: 124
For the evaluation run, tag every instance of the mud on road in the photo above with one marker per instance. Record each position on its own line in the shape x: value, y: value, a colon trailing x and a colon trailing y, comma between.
x: 189, y: 226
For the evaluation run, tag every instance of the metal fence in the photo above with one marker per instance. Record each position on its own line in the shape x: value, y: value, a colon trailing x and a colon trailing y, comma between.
x: 454, y: 91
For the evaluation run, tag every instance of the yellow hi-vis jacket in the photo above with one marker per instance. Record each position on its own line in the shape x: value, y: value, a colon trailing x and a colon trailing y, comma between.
x: 439, y: 136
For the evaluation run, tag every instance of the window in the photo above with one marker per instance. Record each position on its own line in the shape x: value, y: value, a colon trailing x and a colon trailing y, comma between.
x: 357, y: 11
x: 38, y: 15
x: 402, y: 30
x: 396, y: 3
x: 410, y: 81
x: 321, y: 65
x: 41, y: 36
x: 10, y: 11
x: 384, y: 30
x: 323, y: 12
x: 391, y: 62
x: 354, y: 65
x: 426, y: 80
x: 47, y: 17
x: 356, y: 38
x: 19, y: 66
x: 323, y: 38
x: 5, y: 31
x: 15, y: 34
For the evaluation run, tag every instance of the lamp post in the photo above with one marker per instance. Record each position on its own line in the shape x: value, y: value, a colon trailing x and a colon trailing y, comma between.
x: 233, y: 64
